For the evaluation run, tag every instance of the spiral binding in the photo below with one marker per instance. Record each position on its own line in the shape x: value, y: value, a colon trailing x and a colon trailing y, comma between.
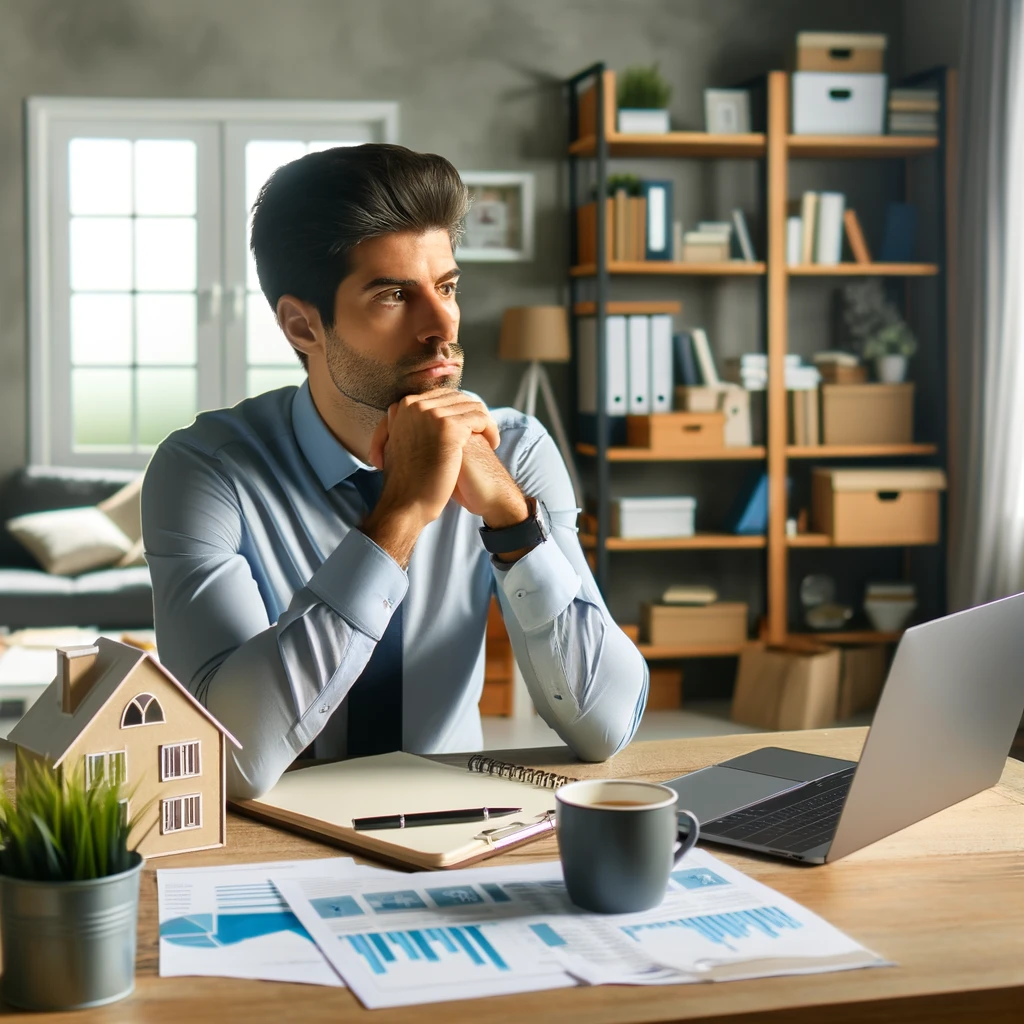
x: 517, y: 772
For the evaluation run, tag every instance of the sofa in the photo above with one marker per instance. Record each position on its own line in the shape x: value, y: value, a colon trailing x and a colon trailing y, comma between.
x: 29, y: 597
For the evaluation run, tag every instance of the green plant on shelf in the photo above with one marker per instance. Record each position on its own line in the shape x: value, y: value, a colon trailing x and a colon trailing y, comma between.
x: 874, y: 322
x: 628, y: 183
x: 642, y: 87
x: 62, y: 828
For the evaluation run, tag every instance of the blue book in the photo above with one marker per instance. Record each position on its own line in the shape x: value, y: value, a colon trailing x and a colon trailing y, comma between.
x: 685, y: 363
x: 750, y: 514
x: 658, y: 196
x: 898, y: 234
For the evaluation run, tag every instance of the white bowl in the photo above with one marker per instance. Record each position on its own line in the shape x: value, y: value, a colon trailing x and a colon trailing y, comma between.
x: 887, y: 615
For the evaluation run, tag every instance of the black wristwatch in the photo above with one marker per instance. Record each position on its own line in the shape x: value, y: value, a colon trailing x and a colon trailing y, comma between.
x: 531, y: 531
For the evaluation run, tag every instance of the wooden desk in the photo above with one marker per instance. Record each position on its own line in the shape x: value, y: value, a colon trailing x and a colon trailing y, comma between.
x: 944, y: 898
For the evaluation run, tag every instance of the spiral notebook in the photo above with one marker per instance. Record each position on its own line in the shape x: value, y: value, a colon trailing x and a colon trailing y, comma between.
x: 322, y: 800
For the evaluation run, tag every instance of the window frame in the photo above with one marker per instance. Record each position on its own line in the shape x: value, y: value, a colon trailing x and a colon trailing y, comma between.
x: 167, y: 802
x: 46, y: 119
x: 166, y: 756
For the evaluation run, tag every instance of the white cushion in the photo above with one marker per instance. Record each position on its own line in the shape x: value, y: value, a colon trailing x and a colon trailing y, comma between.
x: 68, y: 541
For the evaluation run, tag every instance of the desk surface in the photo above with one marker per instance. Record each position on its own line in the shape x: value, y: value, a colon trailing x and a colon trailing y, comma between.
x: 944, y: 899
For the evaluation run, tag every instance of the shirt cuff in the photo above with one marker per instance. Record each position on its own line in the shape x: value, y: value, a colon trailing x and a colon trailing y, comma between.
x: 362, y: 583
x: 540, y: 585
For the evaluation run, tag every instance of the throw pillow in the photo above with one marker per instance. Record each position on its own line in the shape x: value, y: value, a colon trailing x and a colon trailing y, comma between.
x: 136, y: 556
x: 125, y: 509
x: 69, y: 541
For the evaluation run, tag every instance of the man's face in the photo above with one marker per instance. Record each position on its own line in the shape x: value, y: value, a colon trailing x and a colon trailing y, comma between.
x: 396, y: 321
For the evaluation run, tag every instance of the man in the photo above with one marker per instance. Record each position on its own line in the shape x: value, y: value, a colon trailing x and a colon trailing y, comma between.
x: 311, y: 601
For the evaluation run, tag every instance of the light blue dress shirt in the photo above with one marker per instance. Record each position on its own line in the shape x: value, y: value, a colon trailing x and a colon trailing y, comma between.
x: 268, y: 600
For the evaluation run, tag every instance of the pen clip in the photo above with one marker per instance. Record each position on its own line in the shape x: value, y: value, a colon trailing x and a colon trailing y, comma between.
x: 492, y: 835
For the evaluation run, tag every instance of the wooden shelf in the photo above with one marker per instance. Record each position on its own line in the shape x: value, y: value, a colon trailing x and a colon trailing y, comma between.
x: 851, y: 636
x: 675, y: 144
x: 863, y: 270
x: 624, y: 454
x: 859, y: 146
x: 725, y: 268
x: 822, y: 540
x: 638, y: 308
x: 654, y: 652
x: 857, y: 451
x: 699, y: 542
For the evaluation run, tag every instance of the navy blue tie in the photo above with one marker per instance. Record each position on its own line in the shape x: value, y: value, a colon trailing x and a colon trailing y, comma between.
x: 375, y: 700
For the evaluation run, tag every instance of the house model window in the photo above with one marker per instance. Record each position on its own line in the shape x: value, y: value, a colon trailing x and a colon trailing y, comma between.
x: 111, y: 766
x: 142, y: 710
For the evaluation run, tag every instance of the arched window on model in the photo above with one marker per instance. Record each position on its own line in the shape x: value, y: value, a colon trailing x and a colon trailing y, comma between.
x: 142, y: 710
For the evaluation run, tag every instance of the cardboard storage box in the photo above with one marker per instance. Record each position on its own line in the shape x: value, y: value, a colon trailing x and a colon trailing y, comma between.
x: 840, y: 52
x: 874, y: 507
x: 831, y: 104
x: 867, y: 413
x: 666, y: 689
x: 638, y: 518
x: 862, y: 678
x: 729, y: 399
x: 786, y: 689
x: 675, y: 625
x: 677, y: 431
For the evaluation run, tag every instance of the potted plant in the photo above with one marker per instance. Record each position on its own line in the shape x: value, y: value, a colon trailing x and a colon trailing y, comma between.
x: 883, y: 336
x: 69, y: 891
x: 643, y: 96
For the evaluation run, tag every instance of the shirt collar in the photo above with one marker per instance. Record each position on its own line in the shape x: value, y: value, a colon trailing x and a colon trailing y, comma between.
x: 331, y: 460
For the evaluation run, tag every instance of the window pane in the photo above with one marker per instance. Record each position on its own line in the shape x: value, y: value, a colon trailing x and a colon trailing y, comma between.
x: 165, y: 254
x: 101, y: 254
x: 262, y: 158
x: 318, y: 146
x: 100, y: 176
x: 101, y: 403
x: 101, y: 329
x: 264, y: 340
x: 269, y: 378
x: 165, y: 176
x: 167, y: 401
x: 165, y: 327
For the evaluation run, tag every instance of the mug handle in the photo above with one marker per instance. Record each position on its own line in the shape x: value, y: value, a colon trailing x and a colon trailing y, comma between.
x: 687, y: 840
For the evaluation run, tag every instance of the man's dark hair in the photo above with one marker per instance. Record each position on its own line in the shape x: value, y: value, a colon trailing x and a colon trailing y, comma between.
x: 312, y: 212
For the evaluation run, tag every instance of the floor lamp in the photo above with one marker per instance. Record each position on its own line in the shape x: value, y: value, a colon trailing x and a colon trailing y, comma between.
x: 538, y: 335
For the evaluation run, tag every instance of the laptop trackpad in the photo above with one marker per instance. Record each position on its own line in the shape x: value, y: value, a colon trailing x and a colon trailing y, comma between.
x: 711, y: 792
x: 788, y: 764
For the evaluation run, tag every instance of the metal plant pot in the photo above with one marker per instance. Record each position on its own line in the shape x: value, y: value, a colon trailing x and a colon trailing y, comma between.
x: 69, y: 945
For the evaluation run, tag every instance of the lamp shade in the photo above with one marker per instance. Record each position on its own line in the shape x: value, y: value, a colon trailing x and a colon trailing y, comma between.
x: 531, y: 333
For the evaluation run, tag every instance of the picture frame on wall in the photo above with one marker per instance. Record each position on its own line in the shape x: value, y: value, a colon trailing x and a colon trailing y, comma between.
x: 727, y: 111
x: 499, y: 225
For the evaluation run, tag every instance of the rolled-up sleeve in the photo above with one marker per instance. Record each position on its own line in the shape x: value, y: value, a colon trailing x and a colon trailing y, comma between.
x: 587, y: 679
x: 275, y: 685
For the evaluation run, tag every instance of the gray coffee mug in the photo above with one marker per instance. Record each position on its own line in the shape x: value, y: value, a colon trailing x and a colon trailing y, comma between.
x: 618, y: 841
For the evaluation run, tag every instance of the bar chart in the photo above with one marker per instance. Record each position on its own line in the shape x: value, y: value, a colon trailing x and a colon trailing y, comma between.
x: 728, y: 928
x: 385, y: 952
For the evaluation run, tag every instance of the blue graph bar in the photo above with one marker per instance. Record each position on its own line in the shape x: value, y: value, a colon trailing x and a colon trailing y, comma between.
x: 736, y: 924
x: 456, y: 934
x: 402, y: 940
x: 362, y: 947
x: 382, y: 947
x: 547, y: 935
x: 491, y: 952
x: 440, y: 935
x: 496, y: 892
x: 424, y: 946
x: 429, y: 945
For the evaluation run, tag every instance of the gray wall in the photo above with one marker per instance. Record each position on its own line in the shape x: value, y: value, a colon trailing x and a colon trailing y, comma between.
x: 477, y: 81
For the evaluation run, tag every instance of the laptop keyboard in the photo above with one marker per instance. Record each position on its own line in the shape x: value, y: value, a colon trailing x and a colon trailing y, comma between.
x: 792, y: 822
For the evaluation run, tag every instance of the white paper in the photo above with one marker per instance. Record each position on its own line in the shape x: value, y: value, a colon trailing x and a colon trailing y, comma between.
x: 492, y: 931
x: 231, y: 922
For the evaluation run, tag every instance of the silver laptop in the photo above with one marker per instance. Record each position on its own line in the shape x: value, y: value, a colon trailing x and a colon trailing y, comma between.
x: 951, y: 705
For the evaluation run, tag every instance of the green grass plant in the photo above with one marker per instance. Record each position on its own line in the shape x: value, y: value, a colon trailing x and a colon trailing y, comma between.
x: 643, y: 87
x: 61, y: 829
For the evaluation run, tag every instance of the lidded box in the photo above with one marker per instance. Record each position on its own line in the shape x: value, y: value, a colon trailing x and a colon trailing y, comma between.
x: 639, y: 518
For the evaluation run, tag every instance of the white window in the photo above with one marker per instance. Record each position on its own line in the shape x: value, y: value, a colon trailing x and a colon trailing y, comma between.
x: 179, y: 813
x: 111, y: 766
x: 179, y: 760
x: 144, y: 302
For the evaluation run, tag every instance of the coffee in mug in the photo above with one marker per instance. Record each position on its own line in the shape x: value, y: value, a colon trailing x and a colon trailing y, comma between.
x: 618, y: 841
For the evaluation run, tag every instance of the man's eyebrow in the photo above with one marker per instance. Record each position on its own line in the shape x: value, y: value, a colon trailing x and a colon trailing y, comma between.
x: 398, y: 282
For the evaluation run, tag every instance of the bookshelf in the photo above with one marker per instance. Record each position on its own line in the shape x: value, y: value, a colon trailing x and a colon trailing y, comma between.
x: 773, y: 150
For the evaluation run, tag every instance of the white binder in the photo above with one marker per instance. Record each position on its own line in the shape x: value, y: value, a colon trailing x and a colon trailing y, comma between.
x: 639, y: 374
x: 661, y: 363
x: 615, y: 365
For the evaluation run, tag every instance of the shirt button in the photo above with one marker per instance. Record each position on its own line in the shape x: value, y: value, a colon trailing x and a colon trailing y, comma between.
x: 387, y: 603
x: 520, y: 593
x: 325, y: 708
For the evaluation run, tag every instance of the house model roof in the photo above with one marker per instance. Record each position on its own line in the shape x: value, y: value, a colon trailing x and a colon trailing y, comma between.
x: 48, y: 731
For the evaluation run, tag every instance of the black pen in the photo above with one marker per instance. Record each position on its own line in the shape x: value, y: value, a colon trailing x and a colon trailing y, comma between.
x: 432, y: 818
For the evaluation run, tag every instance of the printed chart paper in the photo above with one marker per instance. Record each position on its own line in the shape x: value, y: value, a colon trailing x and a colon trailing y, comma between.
x: 231, y: 922
x: 427, y: 937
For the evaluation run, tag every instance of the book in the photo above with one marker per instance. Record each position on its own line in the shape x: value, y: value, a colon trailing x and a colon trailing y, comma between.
x: 898, y: 234
x: 586, y: 232
x: 690, y: 595
x: 705, y: 360
x: 828, y: 241
x: 808, y: 222
x: 323, y: 799
x: 794, y: 240
x: 914, y: 106
x: 658, y: 234
x: 621, y: 199
x: 685, y: 362
x: 750, y: 512
x: 743, y: 236
x: 855, y: 237
x: 677, y: 241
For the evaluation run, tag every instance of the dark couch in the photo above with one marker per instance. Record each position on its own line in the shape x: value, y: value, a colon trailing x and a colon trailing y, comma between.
x: 107, y: 598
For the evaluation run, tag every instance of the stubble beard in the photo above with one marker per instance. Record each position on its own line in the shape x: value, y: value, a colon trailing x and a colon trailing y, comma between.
x: 376, y: 385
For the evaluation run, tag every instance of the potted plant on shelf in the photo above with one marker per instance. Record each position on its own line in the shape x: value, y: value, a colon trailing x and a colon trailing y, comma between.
x: 643, y: 97
x: 69, y: 891
x: 875, y: 324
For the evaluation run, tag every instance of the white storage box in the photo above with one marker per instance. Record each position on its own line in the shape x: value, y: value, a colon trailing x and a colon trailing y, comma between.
x: 830, y: 104
x: 637, y: 518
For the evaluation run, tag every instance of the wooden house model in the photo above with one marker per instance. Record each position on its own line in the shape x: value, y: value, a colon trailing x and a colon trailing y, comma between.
x: 117, y: 711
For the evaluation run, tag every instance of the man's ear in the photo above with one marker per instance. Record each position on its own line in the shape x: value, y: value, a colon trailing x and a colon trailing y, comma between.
x: 301, y: 324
